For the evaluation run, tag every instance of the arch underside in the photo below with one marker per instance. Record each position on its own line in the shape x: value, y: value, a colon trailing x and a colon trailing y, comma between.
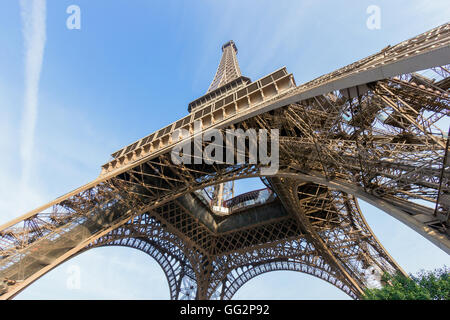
x: 181, y: 278
x: 182, y: 258
x: 161, y: 251
x: 200, y: 264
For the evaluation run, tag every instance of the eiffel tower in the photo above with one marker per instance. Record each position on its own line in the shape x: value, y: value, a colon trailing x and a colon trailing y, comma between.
x: 371, y: 130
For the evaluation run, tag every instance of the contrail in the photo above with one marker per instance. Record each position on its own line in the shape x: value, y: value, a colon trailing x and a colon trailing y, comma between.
x: 33, y: 14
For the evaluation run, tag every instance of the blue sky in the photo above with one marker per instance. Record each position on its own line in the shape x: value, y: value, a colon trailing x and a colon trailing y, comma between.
x: 131, y: 69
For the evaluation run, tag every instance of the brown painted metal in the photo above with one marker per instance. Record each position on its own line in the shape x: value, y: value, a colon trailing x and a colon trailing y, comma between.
x: 371, y: 130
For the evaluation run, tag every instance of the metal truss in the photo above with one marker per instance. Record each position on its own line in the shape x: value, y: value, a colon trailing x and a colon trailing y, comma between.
x: 263, y: 247
x: 375, y: 130
x: 228, y: 69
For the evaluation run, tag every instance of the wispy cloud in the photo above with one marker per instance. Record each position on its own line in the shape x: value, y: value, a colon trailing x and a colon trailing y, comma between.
x: 33, y: 14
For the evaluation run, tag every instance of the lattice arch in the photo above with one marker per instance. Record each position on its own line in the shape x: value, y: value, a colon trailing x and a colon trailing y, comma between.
x: 170, y: 258
x: 173, y: 269
x: 243, y: 275
x: 161, y: 257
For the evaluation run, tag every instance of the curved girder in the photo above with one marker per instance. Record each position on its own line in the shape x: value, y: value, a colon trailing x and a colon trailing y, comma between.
x: 174, y: 272
x: 171, y: 265
x: 317, y: 178
x: 306, y: 262
x: 282, y: 265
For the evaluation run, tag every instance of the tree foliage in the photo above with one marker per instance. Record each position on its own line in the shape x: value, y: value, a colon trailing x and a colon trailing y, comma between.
x: 427, y: 285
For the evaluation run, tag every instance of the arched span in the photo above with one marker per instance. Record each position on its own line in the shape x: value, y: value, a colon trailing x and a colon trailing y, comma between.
x: 168, y: 262
x: 164, y: 252
x: 240, y: 276
x: 293, y: 267
x: 283, y: 173
x: 168, y: 265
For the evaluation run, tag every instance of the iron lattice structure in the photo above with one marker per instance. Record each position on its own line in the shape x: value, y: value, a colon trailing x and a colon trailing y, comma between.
x: 371, y: 130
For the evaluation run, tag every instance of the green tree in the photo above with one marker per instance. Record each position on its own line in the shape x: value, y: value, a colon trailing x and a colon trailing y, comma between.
x: 427, y: 285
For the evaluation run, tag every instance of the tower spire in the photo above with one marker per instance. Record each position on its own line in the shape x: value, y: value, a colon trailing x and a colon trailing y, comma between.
x: 228, y: 78
x: 228, y: 69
